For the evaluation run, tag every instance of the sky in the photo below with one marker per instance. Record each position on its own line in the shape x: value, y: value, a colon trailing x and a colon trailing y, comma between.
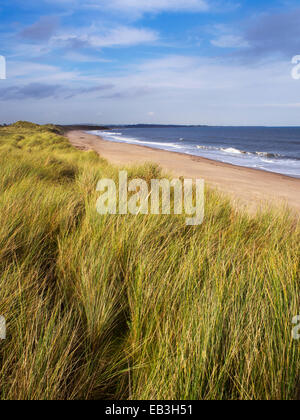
x: 214, y: 62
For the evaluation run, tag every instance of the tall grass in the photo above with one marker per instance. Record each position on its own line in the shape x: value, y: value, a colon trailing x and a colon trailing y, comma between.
x: 137, y: 307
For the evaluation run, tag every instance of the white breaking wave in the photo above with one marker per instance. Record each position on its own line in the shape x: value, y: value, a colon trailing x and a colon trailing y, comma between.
x: 106, y: 133
x: 233, y: 150
x: 116, y: 137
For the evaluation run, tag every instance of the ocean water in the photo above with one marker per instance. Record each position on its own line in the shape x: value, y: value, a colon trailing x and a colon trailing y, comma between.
x: 269, y: 149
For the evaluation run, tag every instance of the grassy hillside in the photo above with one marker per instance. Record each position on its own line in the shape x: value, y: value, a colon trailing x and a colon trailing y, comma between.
x: 136, y: 307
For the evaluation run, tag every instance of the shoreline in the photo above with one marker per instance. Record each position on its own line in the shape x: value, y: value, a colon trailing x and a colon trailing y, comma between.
x: 195, y: 157
x: 248, y: 187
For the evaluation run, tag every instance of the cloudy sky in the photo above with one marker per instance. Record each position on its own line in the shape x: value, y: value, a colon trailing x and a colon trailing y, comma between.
x: 216, y: 62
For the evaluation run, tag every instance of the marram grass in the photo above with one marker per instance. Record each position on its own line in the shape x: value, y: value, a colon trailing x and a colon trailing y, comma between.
x: 124, y: 307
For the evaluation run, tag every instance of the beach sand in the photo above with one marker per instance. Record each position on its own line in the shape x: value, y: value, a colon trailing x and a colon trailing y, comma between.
x: 249, y: 188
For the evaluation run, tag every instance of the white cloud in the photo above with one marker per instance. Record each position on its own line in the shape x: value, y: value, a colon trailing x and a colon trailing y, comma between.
x: 84, y: 58
x: 144, y: 6
x: 124, y: 36
x: 178, y: 89
x: 135, y: 8
x: 28, y: 72
x: 119, y: 36
x: 229, y: 41
x: 174, y: 62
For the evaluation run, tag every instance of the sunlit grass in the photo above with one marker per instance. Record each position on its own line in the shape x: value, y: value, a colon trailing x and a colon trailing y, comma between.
x: 137, y: 307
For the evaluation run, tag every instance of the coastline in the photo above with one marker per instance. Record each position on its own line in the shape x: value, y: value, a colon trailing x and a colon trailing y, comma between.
x: 248, y: 187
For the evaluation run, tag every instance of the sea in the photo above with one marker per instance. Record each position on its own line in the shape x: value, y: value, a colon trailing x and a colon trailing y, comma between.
x: 272, y: 149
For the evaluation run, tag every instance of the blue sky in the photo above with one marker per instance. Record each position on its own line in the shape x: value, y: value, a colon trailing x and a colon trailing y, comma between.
x: 216, y: 62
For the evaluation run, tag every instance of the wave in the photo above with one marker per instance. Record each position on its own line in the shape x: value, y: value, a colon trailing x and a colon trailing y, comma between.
x: 232, y: 150
x: 109, y: 133
x: 270, y: 155
x: 117, y: 137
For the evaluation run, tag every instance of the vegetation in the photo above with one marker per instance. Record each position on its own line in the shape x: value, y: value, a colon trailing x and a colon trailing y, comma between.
x: 145, y: 307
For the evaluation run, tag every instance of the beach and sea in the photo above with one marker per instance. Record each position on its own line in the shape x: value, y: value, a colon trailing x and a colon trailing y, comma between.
x: 254, y: 165
x: 273, y: 149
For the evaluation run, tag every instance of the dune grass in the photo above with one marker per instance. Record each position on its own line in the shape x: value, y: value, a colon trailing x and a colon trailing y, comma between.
x: 137, y: 307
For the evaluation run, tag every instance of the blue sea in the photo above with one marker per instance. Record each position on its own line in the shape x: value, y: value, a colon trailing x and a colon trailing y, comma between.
x: 269, y: 149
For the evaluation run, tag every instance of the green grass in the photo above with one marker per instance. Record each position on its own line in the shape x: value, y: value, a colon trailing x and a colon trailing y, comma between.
x: 137, y: 307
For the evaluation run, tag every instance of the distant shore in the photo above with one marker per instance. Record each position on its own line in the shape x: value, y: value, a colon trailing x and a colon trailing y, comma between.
x: 248, y: 187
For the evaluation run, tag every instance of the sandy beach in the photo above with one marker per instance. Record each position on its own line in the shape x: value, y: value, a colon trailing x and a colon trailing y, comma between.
x: 247, y: 187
